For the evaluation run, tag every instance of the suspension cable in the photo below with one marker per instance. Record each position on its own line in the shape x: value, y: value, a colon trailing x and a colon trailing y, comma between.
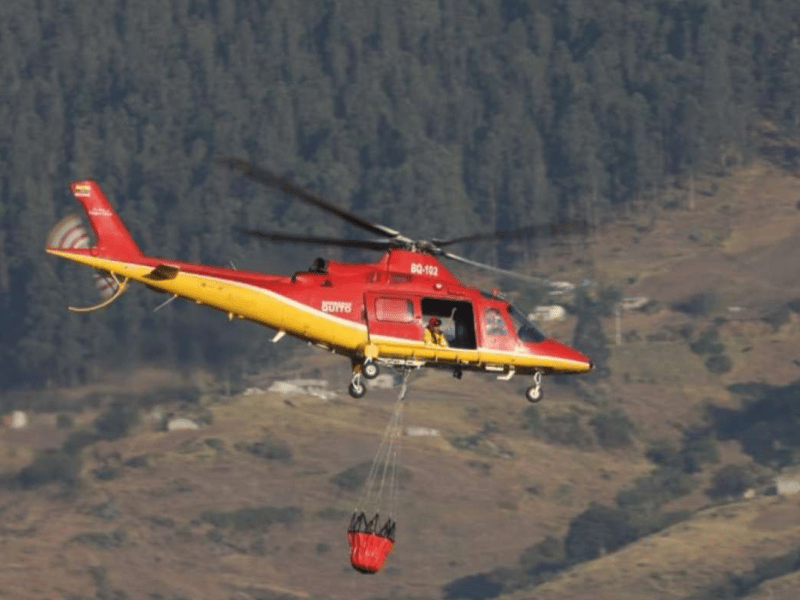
x: 385, y: 463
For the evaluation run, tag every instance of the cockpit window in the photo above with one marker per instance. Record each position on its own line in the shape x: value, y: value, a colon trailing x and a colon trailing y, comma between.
x: 526, y: 331
x: 495, y: 325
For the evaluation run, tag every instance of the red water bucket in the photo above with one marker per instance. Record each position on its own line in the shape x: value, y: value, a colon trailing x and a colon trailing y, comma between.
x: 368, y: 551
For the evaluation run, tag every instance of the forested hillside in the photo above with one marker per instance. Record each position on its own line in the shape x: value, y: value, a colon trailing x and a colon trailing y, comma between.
x: 436, y: 118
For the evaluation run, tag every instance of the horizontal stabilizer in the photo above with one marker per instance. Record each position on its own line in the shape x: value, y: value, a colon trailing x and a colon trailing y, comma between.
x: 162, y: 272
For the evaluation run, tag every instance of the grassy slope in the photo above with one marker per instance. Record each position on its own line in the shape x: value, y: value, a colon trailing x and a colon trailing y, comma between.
x: 686, y: 558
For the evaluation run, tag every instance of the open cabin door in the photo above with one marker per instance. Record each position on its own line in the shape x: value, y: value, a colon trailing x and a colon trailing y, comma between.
x: 393, y: 318
x: 458, y: 320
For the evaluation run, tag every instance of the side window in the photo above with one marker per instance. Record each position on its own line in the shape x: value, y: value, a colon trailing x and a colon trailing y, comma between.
x: 394, y: 310
x: 495, y: 325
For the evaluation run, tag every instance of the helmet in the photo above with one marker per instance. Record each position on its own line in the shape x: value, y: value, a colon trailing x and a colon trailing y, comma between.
x: 434, y: 322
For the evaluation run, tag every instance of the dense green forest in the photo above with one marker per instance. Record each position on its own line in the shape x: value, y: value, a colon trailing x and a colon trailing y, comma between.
x: 436, y: 118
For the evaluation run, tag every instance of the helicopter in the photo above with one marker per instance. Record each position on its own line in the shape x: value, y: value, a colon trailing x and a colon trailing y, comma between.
x: 374, y: 313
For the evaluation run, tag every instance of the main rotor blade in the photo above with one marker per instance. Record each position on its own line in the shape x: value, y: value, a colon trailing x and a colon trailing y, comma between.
x: 466, y: 261
x: 258, y: 174
x: 319, y: 241
x: 547, y: 230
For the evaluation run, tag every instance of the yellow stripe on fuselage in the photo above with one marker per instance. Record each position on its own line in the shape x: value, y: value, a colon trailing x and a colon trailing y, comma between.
x: 391, y: 347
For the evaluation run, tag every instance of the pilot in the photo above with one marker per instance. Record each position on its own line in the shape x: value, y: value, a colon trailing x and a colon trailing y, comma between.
x: 433, y: 333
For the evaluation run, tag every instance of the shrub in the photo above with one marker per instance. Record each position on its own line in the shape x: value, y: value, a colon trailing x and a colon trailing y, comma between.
x: 651, y: 307
x: 322, y: 548
x: 707, y: 343
x: 215, y: 444
x: 566, y: 429
x: 473, y: 587
x: 258, y: 518
x: 697, y: 305
x: 484, y: 468
x: 51, y: 466
x: 607, y: 299
x: 162, y: 522
x: 64, y: 421
x: 117, y: 421
x: 108, y: 510
x: 658, y: 336
x: 699, y: 448
x: 777, y: 317
x: 78, y: 440
x: 659, y: 487
x: 766, y: 426
x: 730, y: 481
x: 269, y: 447
x: 664, y: 454
x: 532, y: 419
x: 589, y: 336
x: 354, y: 477
x: 794, y: 305
x: 107, y: 473
x: 597, y: 530
x: 612, y: 428
x: 719, y: 364
x: 649, y: 522
x: 137, y: 462
x: 102, y: 540
x: 548, y: 556
x: 333, y: 514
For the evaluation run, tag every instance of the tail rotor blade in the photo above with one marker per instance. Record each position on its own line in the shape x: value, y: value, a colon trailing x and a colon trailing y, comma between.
x: 68, y: 233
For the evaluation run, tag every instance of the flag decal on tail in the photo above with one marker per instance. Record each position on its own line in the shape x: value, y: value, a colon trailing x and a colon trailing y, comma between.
x: 82, y: 190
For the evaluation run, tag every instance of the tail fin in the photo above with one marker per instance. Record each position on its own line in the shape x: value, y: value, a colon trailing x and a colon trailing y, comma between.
x: 113, y: 238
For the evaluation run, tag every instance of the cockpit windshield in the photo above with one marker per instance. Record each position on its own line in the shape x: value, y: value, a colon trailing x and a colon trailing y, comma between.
x: 526, y: 331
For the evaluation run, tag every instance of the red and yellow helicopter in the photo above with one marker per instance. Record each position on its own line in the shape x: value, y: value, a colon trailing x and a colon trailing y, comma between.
x: 374, y: 313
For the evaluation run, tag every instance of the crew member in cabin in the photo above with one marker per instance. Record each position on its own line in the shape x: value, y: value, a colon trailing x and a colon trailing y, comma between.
x: 433, y: 333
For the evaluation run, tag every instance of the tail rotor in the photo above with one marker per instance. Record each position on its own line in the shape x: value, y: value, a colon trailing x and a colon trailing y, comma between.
x: 71, y: 234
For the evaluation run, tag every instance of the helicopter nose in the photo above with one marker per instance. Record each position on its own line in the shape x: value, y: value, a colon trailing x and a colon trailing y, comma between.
x: 574, y: 360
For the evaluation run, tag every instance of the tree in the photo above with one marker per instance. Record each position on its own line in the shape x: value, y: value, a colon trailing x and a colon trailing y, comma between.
x: 589, y: 337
